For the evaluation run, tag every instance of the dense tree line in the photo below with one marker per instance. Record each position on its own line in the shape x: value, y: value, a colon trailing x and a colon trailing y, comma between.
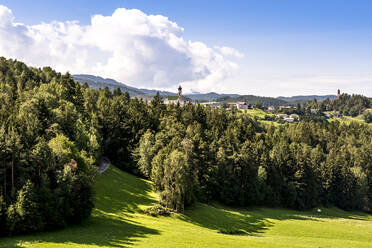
x: 367, y: 116
x: 53, y: 131
x: 350, y: 105
x: 233, y: 159
x: 254, y: 100
x: 47, y: 149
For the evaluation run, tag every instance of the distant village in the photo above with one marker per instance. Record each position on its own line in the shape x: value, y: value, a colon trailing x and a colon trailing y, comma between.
x: 278, y: 112
x: 177, y: 99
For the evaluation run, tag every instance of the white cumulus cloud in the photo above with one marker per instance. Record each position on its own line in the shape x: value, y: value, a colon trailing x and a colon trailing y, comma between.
x: 229, y: 51
x: 129, y: 46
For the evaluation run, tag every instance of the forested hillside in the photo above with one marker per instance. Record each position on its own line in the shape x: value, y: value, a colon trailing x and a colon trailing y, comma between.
x: 101, y: 83
x: 48, y: 145
x: 302, y: 99
x: 53, y: 131
x: 346, y: 104
x: 95, y: 82
x: 250, y: 99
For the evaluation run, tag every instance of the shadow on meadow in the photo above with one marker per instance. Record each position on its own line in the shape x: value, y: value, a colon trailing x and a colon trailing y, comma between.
x: 118, y: 195
x: 112, y: 232
x: 255, y: 221
x: 226, y: 221
x: 117, y: 191
x: 98, y: 230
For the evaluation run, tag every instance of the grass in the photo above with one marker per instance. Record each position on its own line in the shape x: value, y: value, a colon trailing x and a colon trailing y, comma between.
x: 117, y: 221
x: 259, y: 113
x: 207, y: 103
x: 269, y: 123
x: 347, y: 120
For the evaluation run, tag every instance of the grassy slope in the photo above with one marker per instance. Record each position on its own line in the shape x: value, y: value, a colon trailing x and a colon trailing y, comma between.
x: 257, y: 112
x: 117, y: 222
x: 348, y: 120
x: 260, y: 114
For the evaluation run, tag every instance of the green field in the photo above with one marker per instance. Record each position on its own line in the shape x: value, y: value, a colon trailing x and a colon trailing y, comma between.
x: 117, y: 221
x: 347, y: 120
x: 269, y: 123
x: 259, y: 113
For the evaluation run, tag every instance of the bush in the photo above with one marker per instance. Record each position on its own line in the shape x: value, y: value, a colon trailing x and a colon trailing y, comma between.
x: 82, y: 198
x: 367, y: 116
x: 24, y: 215
x: 158, y: 210
x: 231, y: 231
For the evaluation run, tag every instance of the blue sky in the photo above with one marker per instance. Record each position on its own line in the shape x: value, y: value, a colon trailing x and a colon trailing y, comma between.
x: 290, y: 46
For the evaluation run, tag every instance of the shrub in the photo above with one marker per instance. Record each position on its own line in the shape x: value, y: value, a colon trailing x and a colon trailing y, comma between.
x: 24, y: 215
x: 158, y: 210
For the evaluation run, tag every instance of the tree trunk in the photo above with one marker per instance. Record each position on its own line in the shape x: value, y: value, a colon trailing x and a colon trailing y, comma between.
x: 4, y: 180
x: 12, y: 173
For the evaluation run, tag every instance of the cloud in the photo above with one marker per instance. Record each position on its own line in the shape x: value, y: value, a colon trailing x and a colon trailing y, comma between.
x: 129, y: 46
x: 229, y: 51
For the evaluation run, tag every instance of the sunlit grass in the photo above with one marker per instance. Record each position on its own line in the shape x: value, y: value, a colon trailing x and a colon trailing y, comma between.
x: 347, y: 120
x: 207, y: 103
x: 117, y: 221
x: 259, y: 113
x: 269, y: 123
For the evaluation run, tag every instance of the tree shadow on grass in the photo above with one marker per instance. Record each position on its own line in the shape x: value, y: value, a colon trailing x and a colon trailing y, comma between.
x: 99, y: 230
x: 314, y: 215
x: 117, y: 191
x: 226, y: 221
x: 255, y: 222
x: 112, y: 224
x: 336, y: 213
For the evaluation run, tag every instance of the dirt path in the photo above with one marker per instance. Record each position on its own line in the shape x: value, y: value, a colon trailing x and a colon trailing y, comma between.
x: 104, y: 164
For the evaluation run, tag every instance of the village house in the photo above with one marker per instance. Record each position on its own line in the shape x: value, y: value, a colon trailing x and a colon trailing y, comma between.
x: 282, y: 116
x: 285, y: 107
x: 289, y: 119
x: 313, y: 111
x: 271, y: 108
x: 238, y: 105
x: 328, y: 115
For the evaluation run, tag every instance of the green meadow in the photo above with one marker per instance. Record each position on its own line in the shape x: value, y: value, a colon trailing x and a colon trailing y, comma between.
x: 118, y: 221
x: 259, y: 113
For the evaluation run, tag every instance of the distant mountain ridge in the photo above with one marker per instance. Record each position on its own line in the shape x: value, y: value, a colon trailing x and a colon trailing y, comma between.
x: 209, y: 97
x: 97, y: 82
x: 307, y: 98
